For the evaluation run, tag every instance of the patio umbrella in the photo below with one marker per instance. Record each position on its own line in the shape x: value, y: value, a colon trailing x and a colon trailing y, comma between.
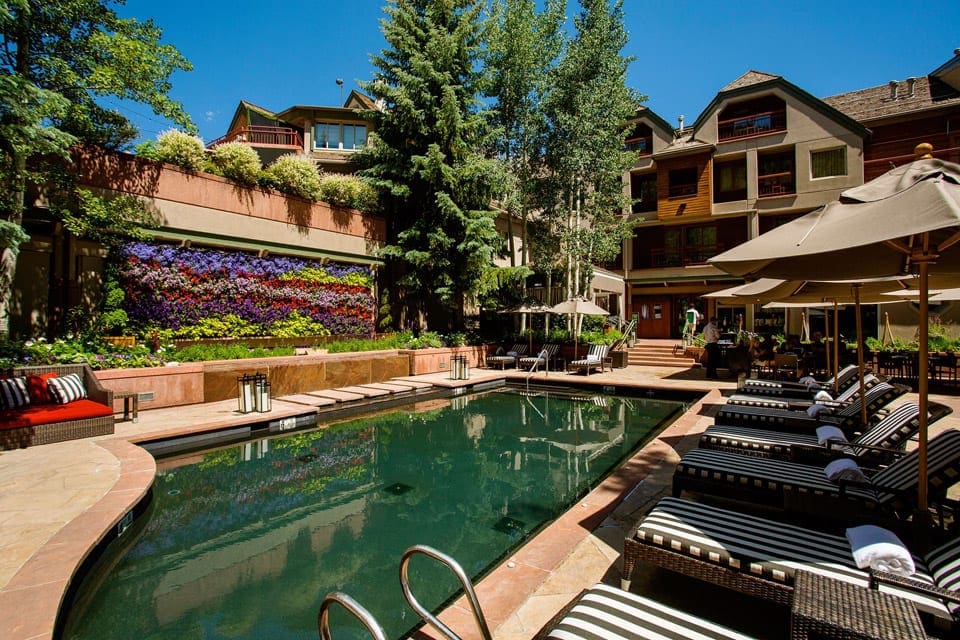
x: 905, y: 221
x: 528, y: 306
x: 577, y: 307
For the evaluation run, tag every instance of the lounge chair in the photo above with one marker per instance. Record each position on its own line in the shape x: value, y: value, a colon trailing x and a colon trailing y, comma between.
x: 595, y: 359
x: 509, y: 358
x: 542, y: 359
x: 797, y: 402
x: 805, y: 488
x: 847, y: 377
x: 876, y: 445
x: 760, y: 557
x: 607, y: 612
x: 848, y: 418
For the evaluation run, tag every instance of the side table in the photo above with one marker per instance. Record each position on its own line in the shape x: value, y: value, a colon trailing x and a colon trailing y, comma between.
x: 827, y: 608
x: 131, y: 402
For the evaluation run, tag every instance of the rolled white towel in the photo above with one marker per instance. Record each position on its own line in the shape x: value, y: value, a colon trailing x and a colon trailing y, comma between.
x: 512, y: 354
x: 821, y: 396
x: 815, y: 410
x: 829, y: 432
x: 880, y: 549
x: 844, y: 469
x: 809, y: 381
x: 592, y: 358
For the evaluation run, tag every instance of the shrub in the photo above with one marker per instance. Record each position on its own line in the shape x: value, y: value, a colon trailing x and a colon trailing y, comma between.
x: 348, y: 191
x: 228, y: 325
x: 296, y: 325
x: 295, y: 175
x: 235, y: 351
x: 396, y: 341
x: 237, y: 161
x: 181, y: 149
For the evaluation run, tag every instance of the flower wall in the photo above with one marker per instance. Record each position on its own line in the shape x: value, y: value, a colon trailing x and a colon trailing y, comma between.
x: 178, y: 288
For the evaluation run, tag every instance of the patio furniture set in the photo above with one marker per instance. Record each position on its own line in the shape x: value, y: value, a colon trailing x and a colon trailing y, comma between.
x: 548, y: 359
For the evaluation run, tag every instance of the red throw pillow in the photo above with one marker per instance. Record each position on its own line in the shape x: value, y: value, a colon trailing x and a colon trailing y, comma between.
x: 37, y: 387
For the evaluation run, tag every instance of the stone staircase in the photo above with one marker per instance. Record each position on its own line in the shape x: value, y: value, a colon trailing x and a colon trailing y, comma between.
x: 657, y: 353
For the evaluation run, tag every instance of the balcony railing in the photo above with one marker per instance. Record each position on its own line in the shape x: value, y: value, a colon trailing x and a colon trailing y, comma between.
x: 753, y: 125
x: 879, y: 166
x: 682, y: 257
x: 262, y: 136
x: 776, y: 184
x: 643, y: 145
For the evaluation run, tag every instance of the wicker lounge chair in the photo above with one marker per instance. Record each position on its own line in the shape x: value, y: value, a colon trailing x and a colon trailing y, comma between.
x: 606, y: 612
x: 847, y: 376
x: 547, y: 353
x: 504, y: 359
x: 794, y: 402
x: 875, y: 445
x: 760, y: 557
x: 805, y: 488
x: 847, y: 418
x: 596, y: 358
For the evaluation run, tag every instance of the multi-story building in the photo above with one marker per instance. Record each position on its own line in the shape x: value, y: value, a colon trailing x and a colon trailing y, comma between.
x: 762, y: 152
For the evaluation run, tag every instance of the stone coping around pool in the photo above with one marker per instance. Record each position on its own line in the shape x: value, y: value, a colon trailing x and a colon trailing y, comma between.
x: 32, y: 598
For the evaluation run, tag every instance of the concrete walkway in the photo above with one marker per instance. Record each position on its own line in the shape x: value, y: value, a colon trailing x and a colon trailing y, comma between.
x: 59, y: 500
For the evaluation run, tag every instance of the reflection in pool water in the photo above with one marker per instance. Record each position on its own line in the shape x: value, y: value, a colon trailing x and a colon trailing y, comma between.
x: 244, y: 542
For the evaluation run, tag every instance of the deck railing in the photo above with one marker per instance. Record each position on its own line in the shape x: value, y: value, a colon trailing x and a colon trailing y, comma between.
x: 262, y: 136
x: 753, y: 125
x: 681, y: 257
x: 776, y: 184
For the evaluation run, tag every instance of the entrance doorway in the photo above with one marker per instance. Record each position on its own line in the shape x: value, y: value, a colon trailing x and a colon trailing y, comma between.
x: 654, y: 314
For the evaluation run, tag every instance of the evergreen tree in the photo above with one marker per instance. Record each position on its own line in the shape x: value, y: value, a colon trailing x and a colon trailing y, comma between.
x: 425, y: 156
x: 588, y: 105
x: 57, y: 58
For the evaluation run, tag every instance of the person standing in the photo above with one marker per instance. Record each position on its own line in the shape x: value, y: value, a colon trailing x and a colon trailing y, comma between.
x: 711, y: 336
x: 692, y: 319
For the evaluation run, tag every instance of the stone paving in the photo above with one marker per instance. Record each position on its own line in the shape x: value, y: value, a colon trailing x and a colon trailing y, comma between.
x: 59, y: 500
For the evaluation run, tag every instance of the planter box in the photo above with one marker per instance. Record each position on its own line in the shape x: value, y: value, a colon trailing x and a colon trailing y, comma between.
x: 171, y: 386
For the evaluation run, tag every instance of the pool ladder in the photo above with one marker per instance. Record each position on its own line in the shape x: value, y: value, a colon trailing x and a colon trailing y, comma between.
x: 536, y: 365
x: 376, y: 631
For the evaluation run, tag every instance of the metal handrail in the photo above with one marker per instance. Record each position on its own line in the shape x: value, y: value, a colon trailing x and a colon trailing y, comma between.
x: 424, y: 614
x: 354, y: 607
x: 536, y: 365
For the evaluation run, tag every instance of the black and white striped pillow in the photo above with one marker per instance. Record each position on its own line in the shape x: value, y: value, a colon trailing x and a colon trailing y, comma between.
x: 66, y: 388
x: 13, y: 393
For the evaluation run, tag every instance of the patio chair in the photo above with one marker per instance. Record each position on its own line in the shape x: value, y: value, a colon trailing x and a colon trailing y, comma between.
x: 595, y: 359
x: 848, y: 417
x: 805, y: 488
x: 547, y: 353
x: 847, y: 377
x: 875, y: 445
x: 760, y: 557
x: 507, y: 359
x: 797, y: 402
x: 607, y: 612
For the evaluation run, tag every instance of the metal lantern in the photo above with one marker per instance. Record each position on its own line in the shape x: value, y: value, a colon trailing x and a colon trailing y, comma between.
x: 264, y: 403
x: 245, y: 393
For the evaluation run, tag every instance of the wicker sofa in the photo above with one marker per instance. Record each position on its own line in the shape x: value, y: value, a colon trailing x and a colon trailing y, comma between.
x: 44, y: 423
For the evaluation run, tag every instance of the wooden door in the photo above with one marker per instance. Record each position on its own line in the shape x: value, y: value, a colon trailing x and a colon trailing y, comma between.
x: 654, y: 315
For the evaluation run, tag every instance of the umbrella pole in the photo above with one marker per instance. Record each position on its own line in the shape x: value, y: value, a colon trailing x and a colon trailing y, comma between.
x: 836, y: 347
x: 826, y: 330
x: 863, y: 385
x: 922, y: 389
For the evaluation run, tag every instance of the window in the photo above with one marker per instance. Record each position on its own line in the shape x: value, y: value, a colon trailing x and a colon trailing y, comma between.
x: 832, y: 162
x: 683, y: 182
x: 643, y: 191
x: 775, y: 174
x: 730, y: 181
x: 640, y: 139
x: 333, y: 135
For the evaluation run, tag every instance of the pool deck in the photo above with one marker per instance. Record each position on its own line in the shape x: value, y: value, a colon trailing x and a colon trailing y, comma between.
x: 59, y: 500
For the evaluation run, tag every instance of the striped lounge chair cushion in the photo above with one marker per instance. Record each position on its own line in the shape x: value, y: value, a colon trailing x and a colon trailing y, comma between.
x: 782, y: 401
x: 768, y: 549
x: 606, y: 613
x: 766, y: 477
x: 892, y: 432
x: 847, y: 376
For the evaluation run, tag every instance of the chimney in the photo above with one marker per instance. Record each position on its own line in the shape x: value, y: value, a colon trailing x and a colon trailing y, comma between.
x: 911, y: 82
x: 893, y: 89
x: 680, y: 125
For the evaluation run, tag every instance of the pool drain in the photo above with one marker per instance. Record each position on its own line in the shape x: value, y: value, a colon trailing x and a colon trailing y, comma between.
x: 509, y: 525
x: 398, y: 488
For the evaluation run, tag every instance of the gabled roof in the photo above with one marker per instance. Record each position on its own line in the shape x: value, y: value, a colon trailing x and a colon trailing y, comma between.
x: 755, y: 82
x: 249, y: 106
x: 949, y: 71
x: 875, y: 103
x: 646, y: 113
x: 357, y: 100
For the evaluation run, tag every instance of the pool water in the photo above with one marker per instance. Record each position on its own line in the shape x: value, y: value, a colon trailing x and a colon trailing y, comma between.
x: 244, y: 541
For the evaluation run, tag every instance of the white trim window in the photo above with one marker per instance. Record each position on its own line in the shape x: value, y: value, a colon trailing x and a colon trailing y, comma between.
x: 341, y: 136
x: 828, y: 163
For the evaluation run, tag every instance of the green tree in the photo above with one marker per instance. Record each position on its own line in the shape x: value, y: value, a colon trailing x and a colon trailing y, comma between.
x: 522, y: 47
x: 57, y: 59
x: 587, y: 106
x: 425, y: 157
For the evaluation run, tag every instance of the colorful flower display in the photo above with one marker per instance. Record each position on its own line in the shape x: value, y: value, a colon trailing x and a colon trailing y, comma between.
x: 177, y: 288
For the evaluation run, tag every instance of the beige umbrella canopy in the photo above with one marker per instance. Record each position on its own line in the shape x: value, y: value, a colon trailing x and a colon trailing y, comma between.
x: 528, y: 306
x: 906, y: 221
x: 578, y: 307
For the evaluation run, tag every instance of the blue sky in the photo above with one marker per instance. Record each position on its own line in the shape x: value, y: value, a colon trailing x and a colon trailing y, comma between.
x: 280, y: 54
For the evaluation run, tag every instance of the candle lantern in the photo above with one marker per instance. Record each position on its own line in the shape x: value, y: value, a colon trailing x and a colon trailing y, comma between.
x: 245, y: 393
x: 264, y: 403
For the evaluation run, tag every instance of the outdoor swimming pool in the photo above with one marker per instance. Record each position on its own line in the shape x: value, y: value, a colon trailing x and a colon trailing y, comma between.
x: 244, y: 541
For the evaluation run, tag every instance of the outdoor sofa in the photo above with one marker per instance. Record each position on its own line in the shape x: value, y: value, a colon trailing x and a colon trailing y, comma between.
x: 847, y: 418
x: 509, y: 358
x: 760, y: 557
x: 42, y: 417
x: 875, y: 445
x: 805, y: 488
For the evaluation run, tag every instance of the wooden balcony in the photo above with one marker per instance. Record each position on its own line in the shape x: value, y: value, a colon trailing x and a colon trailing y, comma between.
x: 681, y: 257
x: 776, y: 184
x: 263, y: 136
x: 753, y: 125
